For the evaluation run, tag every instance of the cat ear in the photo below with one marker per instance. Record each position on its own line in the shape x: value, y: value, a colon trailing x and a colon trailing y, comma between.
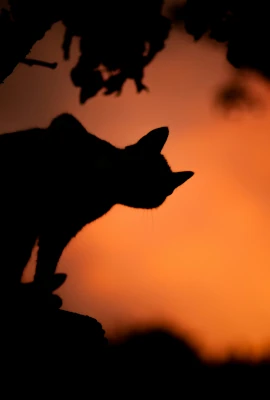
x: 154, y: 141
x: 67, y: 121
x: 179, y: 178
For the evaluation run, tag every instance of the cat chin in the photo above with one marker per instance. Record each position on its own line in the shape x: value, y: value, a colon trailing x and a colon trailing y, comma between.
x: 143, y: 206
x: 152, y: 206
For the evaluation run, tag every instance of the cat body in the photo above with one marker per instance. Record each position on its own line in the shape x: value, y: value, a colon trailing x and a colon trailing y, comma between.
x: 56, y: 180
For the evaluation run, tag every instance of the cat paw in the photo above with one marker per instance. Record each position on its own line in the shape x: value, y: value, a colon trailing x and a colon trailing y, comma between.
x: 53, y: 302
x: 38, y: 295
x: 57, y: 281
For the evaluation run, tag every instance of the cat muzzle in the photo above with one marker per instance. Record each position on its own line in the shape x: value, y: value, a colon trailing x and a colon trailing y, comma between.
x: 180, y: 177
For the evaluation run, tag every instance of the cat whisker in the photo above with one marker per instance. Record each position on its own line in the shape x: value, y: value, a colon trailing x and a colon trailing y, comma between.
x: 151, y: 219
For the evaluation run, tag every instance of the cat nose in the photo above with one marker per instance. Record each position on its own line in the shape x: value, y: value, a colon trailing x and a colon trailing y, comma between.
x: 180, y: 177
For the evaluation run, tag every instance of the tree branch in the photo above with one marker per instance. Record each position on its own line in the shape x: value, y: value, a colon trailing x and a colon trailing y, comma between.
x: 31, y: 61
x: 19, y: 31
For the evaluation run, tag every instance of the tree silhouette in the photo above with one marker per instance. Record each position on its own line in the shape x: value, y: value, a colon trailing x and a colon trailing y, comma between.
x: 117, y: 39
x: 242, y: 26
x: 236, y: 95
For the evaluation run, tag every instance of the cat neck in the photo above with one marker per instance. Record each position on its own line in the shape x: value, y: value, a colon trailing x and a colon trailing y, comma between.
x: 112, y: 171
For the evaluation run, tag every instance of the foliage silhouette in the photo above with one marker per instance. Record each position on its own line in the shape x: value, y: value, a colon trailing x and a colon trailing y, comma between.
x: 60, y: 178
x: 240, y: 25
x: 117, y: 39
x: 236, y: 95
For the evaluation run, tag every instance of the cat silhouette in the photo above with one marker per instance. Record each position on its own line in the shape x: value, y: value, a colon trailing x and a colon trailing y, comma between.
x: 55, y: 180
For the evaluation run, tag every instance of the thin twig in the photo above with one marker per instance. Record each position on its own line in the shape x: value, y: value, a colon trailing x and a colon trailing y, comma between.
x: 32, y: 61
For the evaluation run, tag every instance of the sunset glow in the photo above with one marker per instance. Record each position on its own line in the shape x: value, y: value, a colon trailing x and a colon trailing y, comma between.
x: 201, y: 262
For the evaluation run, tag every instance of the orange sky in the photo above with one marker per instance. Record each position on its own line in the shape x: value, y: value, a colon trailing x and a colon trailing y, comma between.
x: 199, y: 263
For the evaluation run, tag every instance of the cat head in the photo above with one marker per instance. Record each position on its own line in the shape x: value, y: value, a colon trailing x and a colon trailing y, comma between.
x: 147, y: 180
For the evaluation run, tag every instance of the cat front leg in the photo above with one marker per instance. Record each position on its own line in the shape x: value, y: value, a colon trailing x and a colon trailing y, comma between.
x: 50, y: 248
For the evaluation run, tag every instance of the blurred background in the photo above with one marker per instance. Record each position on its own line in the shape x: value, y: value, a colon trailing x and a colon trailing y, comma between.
x: 200, y: 264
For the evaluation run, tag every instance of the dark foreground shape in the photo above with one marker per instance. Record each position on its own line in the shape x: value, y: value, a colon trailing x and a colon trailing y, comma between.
x: 63, y: 355
x: 157, y: 364
x: 51, y: 353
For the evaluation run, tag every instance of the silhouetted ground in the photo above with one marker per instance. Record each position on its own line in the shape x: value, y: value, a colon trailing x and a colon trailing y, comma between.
x: 157, y: 364
x: 65, y: 354
x: 50, y: 353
